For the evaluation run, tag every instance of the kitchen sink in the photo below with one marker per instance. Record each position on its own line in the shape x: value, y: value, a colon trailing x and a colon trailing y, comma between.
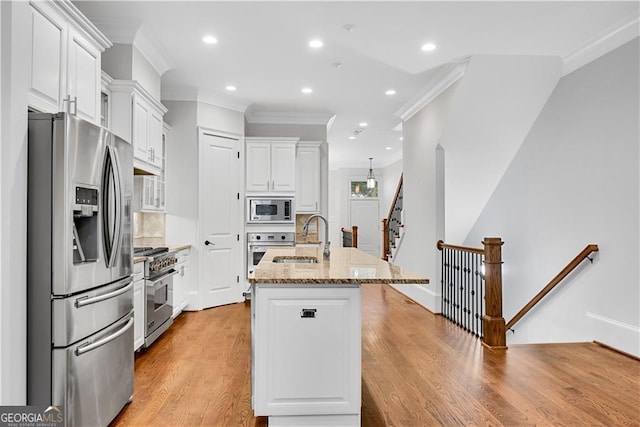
x: 294, y: 260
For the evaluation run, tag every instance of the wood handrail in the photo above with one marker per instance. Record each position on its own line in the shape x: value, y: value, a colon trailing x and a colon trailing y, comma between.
x: 442, y: 245
x: 553, y: 283
x: 395, y: 197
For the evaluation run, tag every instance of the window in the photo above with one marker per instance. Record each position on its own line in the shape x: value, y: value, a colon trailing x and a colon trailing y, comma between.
x: 359, y: 190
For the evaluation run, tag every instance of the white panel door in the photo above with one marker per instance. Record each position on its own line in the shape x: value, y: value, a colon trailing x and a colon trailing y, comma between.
x: 364, y: 214
x: 220, y: 214
x: 258, y: 166
x: 140, y: 136
x: 83, y: 78
x: 47, y: 61
x: 283, y: 167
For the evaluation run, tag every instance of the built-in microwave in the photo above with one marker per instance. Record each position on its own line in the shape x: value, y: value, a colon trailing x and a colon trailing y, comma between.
x: 270, y: 210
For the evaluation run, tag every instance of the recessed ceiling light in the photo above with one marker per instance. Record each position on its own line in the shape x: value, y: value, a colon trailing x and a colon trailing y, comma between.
x: 230, y: 88
x: 210, y: 40
x: 387, y: 148
x: 352, y: 137
x: 363, y: 124
x: 307, y: 90
x: 316, y: 43
x: 390, y: 92
x: 428, y: 47
x: 402, y: 138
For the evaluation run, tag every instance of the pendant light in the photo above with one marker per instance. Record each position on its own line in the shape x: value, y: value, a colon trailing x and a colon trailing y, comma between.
x: 371, y: 179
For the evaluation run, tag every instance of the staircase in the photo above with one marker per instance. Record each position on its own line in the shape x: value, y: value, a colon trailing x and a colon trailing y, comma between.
x: 392, y: 226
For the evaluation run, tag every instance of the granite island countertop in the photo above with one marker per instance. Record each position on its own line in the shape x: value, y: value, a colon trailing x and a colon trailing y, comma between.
x: 345, y: 266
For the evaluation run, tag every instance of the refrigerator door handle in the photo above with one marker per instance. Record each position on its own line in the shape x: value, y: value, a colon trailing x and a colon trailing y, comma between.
x: 88, y: 347
x: 81, y: 302
x: 111, y: 232
x: 119, y: 203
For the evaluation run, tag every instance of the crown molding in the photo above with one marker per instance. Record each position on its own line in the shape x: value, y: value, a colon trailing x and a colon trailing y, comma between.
x: 445, y: 77
x: 71, y: 12
x: 194, y: 95
x: 289, y: 118
x: 153, y: 52
x: 613, y: 38
x: 129, y: 86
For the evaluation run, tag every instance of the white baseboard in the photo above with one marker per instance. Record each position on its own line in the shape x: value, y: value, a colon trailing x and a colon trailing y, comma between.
x: 423, y: 295
x: 616, y: 334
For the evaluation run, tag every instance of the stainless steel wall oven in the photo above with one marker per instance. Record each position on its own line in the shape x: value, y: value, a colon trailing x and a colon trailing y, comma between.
x: 258, y: 243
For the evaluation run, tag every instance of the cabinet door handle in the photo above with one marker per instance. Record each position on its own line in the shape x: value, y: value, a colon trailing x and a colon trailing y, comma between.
x: 308, y: 313
x: 206, y: 242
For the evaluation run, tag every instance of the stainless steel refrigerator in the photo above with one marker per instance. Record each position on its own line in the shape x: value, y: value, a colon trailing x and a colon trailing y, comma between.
x: 79, y: 277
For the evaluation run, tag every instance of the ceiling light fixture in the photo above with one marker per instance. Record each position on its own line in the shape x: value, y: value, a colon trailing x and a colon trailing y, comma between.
x: 230, y: 88
x: 307, y: 90
x: 371, y: 178
x: 428, y: 47
x: 387, y: 148
x: 363, y: 124
x: 390, y: 92
x: 352, y: 137
x: 210, y: 40
x: 316, y: 43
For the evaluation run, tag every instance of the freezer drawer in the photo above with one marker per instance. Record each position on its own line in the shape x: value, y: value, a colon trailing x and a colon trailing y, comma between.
x: 81, y: 315
x: 93, y: 379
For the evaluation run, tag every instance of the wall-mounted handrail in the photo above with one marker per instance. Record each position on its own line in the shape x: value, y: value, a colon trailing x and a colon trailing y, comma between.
x: 588, y: 250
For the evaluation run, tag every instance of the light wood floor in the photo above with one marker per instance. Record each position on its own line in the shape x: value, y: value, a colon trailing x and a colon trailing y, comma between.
x: 417, y: 370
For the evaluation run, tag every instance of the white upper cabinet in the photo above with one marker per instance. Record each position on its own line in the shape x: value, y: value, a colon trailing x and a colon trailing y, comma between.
x: 308, y: 177
x: 137, y: 117
x: 65, y: 61
x: 271, y: 165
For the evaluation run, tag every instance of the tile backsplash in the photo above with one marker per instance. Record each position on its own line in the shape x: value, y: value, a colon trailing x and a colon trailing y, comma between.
x: 148, y: 228
x: 312, y: 236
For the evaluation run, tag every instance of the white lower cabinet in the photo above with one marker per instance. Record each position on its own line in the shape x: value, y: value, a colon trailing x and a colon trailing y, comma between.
x: 306, y: 344
x: 180, y: 290
x: 138, y: 305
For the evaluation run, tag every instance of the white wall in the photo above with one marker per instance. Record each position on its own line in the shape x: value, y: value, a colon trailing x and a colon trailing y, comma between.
x: 125, y: 62
x: 575, y: 181
x: 14, y: 64
x: 423, y: 198
x: 143, y: 72
x: 496, y: 103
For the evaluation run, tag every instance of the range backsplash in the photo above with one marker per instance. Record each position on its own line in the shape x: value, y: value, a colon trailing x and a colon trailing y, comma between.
x: 148, y: 228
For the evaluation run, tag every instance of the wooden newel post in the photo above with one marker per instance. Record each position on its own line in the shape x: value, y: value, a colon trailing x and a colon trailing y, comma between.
x: 495, y: 335
x: 385, y: 239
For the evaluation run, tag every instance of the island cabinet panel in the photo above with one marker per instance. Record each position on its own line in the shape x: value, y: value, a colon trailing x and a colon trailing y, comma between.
x: 307, y: 350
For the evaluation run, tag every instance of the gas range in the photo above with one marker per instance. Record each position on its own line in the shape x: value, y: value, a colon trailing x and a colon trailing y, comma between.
x: 160, y: 260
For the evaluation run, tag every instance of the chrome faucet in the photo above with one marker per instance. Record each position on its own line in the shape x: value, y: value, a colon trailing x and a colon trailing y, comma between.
x: 305, y: 231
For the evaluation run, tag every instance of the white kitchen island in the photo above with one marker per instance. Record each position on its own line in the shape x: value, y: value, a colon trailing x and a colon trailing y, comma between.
x: 306, y: 333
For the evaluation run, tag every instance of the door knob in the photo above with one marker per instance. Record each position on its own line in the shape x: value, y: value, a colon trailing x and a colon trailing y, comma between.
x: 206, y: 242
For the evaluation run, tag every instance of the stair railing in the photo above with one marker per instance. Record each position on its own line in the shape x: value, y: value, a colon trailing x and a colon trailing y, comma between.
x: 349, y: 237
x: 392, y: 223
x: 584, y: 254
x: 472, y: 289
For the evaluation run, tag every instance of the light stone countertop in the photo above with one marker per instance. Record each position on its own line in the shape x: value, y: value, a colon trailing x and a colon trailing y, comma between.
x: 137, y: 259
x: 345, y: 266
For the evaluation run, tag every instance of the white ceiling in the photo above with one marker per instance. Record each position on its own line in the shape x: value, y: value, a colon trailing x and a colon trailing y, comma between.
x: 263, y: 50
